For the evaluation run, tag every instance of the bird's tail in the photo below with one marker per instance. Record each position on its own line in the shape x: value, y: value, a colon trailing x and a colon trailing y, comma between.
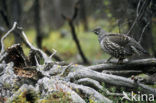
x: 139, y: 50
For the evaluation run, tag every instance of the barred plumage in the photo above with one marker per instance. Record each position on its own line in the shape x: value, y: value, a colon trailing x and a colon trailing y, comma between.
x: 118, y: 45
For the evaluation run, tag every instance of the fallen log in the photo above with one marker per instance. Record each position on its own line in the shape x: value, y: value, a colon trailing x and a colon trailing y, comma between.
x: 141, y: 64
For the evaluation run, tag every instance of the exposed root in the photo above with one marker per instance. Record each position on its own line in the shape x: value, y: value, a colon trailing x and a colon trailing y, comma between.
x: 90, y: 92
x: 110, y: 79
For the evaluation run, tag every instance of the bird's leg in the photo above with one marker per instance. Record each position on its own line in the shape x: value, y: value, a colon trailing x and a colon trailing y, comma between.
x: 120, y: 61
x: 108, y: 60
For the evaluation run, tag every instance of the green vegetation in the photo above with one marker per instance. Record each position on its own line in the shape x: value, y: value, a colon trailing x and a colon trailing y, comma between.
x: 58, y: 97
x: 30, y: 96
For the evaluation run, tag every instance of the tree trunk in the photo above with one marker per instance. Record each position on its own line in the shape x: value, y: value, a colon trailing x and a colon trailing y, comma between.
x: 83, y: 14
x: 16, y: 16
x: 37, y: 22
x: 77, y: 43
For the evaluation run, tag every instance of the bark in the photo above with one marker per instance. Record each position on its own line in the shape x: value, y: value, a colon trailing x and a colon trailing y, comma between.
x: 96, y: 85
x: 141, y: 64
x: 111, y: 79
x: 124, y: 73
x: 90, y: 92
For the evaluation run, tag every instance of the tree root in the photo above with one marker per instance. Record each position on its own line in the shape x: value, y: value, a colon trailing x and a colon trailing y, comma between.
x: 79, y: 81
x: 110, y: 79
x: 90, y: 92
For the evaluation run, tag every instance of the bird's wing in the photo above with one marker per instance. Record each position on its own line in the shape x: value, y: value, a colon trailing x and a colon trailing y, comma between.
x: 120, y: 43
x: 129, y: 45
x: 119, y: 39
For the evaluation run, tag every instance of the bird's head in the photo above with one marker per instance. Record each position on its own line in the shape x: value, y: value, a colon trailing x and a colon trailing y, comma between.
x: 98, y: 31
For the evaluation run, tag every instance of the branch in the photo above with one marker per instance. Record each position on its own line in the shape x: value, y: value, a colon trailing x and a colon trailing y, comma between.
x: 131, y: 65
x: 91, y: 83
x: 46, y: 58
x: 74, y: 35
x: 90, y: 93
x: 125, y: 73
x: 76, y: 9
x: 110, y: 79
x: 65, y: 71
x: 139, y: 13
x: 143, y: 32
x: 54, y: 52
x: 2, y: 39
x: 48, y: 52
x: 96, y: 85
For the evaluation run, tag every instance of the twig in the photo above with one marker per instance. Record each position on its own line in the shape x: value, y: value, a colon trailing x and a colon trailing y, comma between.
x: 128, y: 33
x: 2, y: 39
x: 137, y: 11
x: 143, y: 9
x: 37, y: 63
x: 143, y: 32
x: 48, y: 52
x: 45, y: 57
x: 138, y: 14
x: 65, y: 70
x: 53, y: 53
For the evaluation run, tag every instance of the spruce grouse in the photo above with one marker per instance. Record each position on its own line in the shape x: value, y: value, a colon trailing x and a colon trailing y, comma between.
x: 118, y: 45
